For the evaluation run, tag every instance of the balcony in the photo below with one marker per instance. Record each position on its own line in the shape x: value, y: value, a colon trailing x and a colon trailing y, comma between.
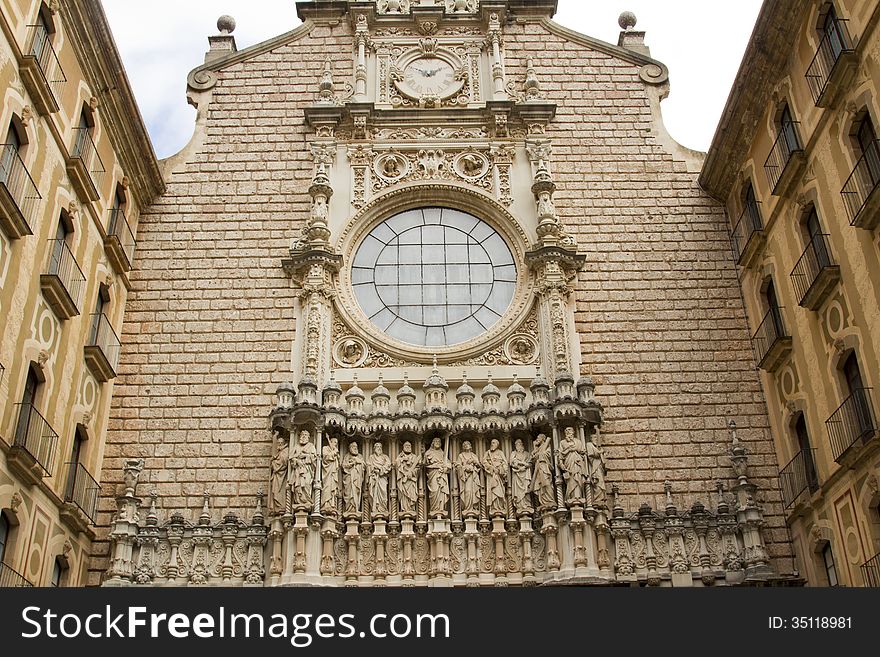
x: 799, y: 476
x: 80, y: 498
x: 84, y: 167
x: 18, y: 194
x: 119, y: 242
x: 860, y: 195
x: 816, y: 274
x: 102, y: 349
x: 786, y: 160
x: 63, y: 283
x: 834, y: 65
x: 10, y: 579
x: 41, y: 71
x: 771, y: 341
x: 852, y: 423
x: 32, y: 455
x: 748, y: 235
x: 871, y: 571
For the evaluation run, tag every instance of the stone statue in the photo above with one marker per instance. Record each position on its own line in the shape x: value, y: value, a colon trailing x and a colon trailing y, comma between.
x: 279, y: 468
x: 495, y: 466
x: 379, y: 467
x: 542, y: 478
x: 521, y: 477
x: 353, y: 468
x: 330, y: 474
x: 574, y: 466
x: 596, y: 465
x: 437, y: 468
x: 407, y: 480
x: 468, y: 470
x: 303, y: 460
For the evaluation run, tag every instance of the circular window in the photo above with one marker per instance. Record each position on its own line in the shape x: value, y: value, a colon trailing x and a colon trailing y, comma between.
x: 433, y: 277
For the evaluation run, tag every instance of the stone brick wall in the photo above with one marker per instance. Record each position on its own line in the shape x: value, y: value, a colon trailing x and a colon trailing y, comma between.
x: 209, y: 324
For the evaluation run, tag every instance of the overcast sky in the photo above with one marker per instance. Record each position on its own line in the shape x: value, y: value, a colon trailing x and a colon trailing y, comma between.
x: 701, y: 41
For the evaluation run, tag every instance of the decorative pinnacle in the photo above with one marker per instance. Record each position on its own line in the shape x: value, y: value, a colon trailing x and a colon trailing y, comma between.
x: 205, y: 518
x: 667, y: 488
x: 226, y: 24
x: 627, y: 20
x: 435, y: 364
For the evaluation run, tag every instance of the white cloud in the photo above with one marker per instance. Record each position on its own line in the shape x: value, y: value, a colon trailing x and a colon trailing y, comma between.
x: 701, y: 42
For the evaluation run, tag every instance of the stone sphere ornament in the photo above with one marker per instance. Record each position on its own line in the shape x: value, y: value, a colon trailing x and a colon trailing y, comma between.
x: 627, y: 20
x: 226, y: 24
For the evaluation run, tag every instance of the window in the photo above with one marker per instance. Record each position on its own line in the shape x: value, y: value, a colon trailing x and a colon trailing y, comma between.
x: 62, y: 233
x: 100, y: 304
x: 42, y: 37
x: 79, y: 439
x: 11, y: 148
x: 803, y: 438
x: 750, y: 205
x: 830, y: 568
x: 28, y: 399
x: 788, y: 129
x: 855, y: 385
x: 83, y: 144
x: 866, y: 138
x: 434, y: 277
x: 58, y: 572
x: 4, y: 535
x: 774, y: 309
x: 831, y: 32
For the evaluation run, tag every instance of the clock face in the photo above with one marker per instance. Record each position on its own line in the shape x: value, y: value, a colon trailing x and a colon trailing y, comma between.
x: 429, y: 76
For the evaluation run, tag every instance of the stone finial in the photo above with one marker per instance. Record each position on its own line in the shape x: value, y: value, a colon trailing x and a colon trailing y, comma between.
x: 152, y: 514
x: 226, y: 24
x: 327, y: 87
x: 627, y: 20
x: 258, y: 512
x: 205, y: 518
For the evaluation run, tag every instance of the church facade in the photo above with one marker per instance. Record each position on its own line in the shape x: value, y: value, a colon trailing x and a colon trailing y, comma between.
x: 433, y: 299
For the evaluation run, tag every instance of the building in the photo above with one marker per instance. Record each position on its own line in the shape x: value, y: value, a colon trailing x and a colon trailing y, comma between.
x: 432, y: 299
x: 76, y: 167
x: 796, y: 162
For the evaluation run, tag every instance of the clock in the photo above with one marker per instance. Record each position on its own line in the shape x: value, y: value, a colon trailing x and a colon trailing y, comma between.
x: 429, y: 77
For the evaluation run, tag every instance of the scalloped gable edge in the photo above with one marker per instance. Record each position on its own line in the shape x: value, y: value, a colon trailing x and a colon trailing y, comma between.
x: 609, y: 49
x: 202, y: 77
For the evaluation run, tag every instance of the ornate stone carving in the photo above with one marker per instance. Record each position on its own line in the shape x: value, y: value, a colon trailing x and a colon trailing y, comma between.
x: 350, y: 352
x: 303, y: 460
x: 407, y: 467
x: 574, y: 466
x: 279, y: 471
x: 469, y: 482
x: 437, y: 467
x: 496, y: 469
x: 330, y: 477
x: 521, y: 349
x: 378, y: 469
x: 353, y: 470
x: 520, y: 478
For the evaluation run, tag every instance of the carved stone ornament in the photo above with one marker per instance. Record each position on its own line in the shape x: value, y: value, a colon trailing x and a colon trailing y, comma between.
x: 16, y: 501
x: 392, y: 167
x: 350, y: 351
x: 521, y: 349
x: 471, y: 165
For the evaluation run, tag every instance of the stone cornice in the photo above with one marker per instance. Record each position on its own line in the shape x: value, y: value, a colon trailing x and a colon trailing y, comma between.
x: 202, y: 77
x: 764, y: 63
x: 654, y: 71
x: 103, y: 69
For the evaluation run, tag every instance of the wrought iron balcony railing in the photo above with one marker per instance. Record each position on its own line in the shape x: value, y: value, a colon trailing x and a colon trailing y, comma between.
x: 85, y: 150
x: 852, y: 422
x: 815, y: 264
x: 64, y: 281
x: 786, y: 145
x: 34, y: 434
x: 40, y: 48
x: 748, y: 226
x: 82, y: 490
x: 862, y: 183
x: 120, y: 235
x: 835, y: 43
x: 871, y: 571
x: 770, y: 337
x: 10, y: 579
x: 799, y: 475
x: 19, y: 193
x: 102, y: 349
